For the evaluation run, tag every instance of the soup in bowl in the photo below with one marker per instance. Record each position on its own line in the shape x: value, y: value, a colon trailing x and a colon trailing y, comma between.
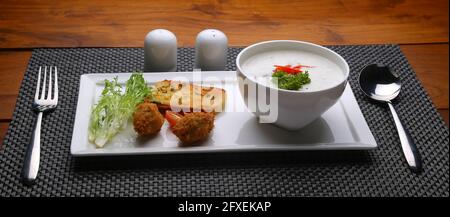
x: 290, y: 83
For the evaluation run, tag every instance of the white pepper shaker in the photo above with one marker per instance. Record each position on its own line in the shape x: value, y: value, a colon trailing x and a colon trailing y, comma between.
x: 160, y: 51
x: 211, y: 50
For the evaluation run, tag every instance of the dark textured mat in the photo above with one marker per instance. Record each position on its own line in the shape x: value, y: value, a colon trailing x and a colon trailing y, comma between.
x: 381, y: 172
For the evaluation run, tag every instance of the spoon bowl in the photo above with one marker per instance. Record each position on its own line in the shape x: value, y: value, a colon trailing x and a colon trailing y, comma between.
x: 379, y: 83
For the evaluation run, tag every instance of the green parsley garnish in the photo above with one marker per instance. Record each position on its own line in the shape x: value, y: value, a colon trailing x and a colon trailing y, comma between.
x: 291, y: 81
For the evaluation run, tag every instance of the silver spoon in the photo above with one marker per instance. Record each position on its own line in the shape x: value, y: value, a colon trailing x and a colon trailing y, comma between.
x: 379, y: 83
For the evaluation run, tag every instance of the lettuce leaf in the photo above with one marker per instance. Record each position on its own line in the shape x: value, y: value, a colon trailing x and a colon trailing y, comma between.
x: 115, y: 108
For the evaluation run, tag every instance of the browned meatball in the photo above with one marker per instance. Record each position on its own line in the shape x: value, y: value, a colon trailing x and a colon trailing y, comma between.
x: 193, y: 127
x: 147, y: 120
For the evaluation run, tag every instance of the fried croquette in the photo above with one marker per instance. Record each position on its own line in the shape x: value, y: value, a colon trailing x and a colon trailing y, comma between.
x: 147, y: 120
x: 194, y: 127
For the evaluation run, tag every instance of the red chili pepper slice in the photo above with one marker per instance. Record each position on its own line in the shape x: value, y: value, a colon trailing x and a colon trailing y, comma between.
x: 291, y: 70
x: 172, y: 117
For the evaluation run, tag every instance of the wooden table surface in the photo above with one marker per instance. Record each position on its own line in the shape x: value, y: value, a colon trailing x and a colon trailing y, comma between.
x: 420, y: 27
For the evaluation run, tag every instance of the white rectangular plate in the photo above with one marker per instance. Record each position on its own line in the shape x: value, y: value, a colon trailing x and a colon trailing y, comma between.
x: 342, y: 127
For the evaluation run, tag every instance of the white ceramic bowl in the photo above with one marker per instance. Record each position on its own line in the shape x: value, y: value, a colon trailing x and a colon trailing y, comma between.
x: 295, y: 109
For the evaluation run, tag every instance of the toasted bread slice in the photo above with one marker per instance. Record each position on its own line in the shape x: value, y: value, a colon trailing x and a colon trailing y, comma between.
x: 186, y: 97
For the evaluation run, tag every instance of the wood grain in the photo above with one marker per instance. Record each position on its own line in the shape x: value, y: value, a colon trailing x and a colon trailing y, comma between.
x: 431, y: 65
x: 12, y: 67
x: 3, y: 130
x: 94, y: 23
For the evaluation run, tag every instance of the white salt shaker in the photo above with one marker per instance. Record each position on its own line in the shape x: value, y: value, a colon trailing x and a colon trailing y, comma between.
x: 211, y: 50
x: 160, y: 51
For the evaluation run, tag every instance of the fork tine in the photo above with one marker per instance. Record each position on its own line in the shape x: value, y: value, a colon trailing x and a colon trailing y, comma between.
x: 55, y: 93
x: 36, y: 95
x: 43, y: 83
x: 49, y: 92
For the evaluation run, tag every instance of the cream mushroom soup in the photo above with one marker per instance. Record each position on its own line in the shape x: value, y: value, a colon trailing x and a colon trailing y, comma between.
x: 323, y: 73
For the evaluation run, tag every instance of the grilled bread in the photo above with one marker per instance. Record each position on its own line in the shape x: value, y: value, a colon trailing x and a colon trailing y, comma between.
x: 186, y: 97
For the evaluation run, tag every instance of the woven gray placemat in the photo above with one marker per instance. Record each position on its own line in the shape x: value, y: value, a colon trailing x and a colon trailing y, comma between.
x: 380, y: 172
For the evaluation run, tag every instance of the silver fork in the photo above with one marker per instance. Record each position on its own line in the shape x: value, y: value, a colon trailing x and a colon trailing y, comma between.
x: 42, y: 102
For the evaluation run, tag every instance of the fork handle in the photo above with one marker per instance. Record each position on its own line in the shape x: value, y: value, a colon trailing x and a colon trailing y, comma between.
x: 409, y: 148
x: 32, y: 157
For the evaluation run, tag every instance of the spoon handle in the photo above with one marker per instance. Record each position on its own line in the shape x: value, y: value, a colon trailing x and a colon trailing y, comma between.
x: 409, y: 147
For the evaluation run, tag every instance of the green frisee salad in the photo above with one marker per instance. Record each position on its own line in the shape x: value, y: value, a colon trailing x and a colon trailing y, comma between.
x: 115, y: 107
